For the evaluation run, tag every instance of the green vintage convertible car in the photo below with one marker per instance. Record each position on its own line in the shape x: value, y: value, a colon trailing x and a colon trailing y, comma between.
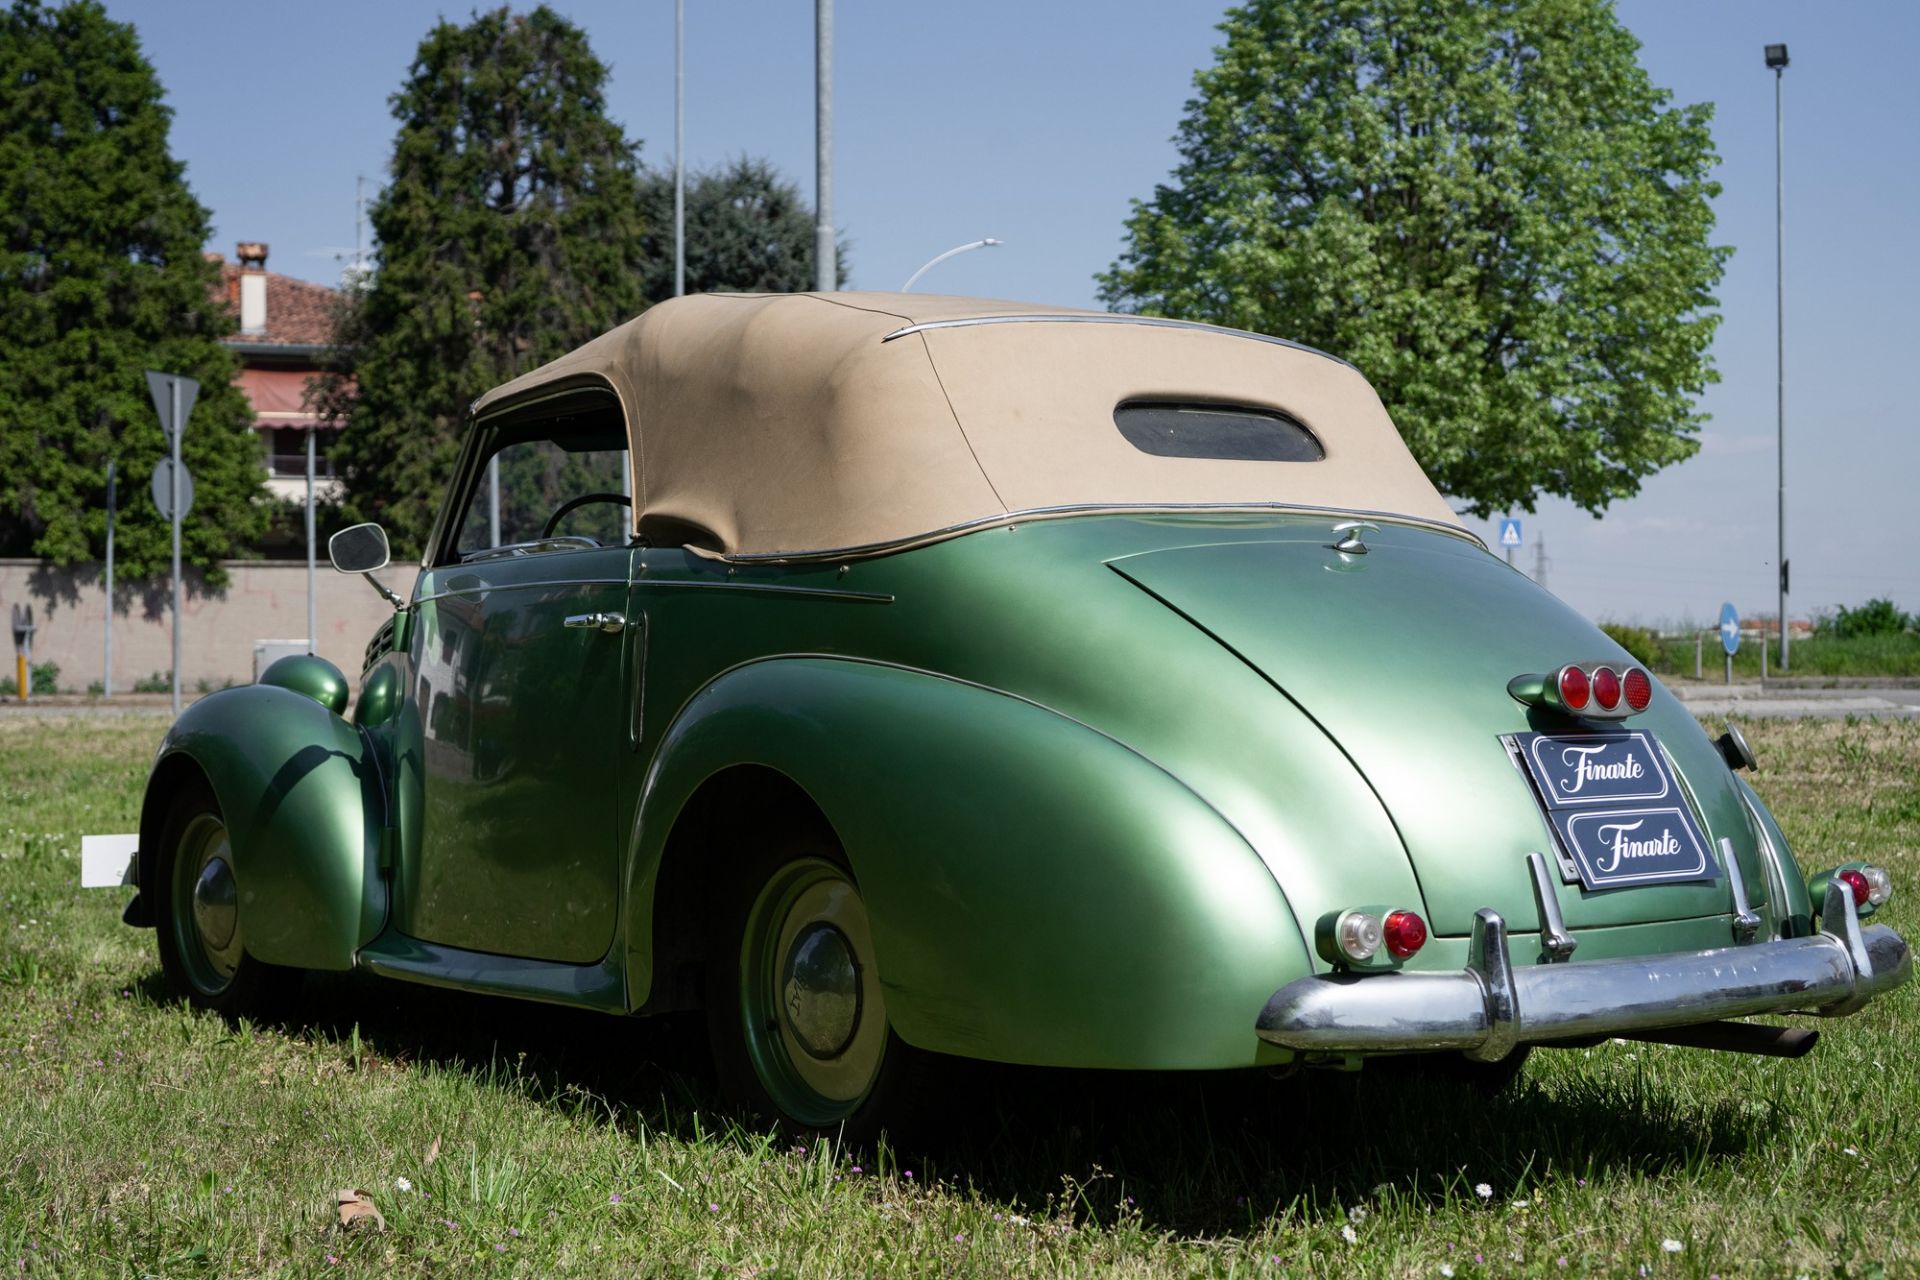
x: 899, y: 675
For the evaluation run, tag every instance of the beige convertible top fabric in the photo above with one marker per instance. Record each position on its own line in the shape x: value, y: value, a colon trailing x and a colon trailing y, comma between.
x: 790, y: 425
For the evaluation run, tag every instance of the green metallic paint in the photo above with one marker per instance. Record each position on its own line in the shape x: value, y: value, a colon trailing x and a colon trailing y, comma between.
x: 379, y: 697
x: 311, y: 675
x: 1085, y: 832
x: 1404, y: 656
x: 300, y: 795
x: 1791, y: 898
x: 524, y: 743
x: 1039, y: 893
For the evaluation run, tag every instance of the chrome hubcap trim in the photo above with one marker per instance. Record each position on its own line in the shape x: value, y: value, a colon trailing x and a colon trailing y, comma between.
x: 215, y: 904
x: 206, y: 907
x: 820, y: 991
x: 815, y: 1021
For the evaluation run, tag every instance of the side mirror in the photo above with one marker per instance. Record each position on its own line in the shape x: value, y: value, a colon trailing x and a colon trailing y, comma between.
x: 360, y: 549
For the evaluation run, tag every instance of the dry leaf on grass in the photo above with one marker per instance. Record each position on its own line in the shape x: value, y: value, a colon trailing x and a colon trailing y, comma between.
x: 433, y: 1152
x: 356, y: 1209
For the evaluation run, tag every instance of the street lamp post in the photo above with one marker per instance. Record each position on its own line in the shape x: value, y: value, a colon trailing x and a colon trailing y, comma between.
x: 1777, y: 59
x: 826, y: 270
x: 679, y: 148
x: 931, y: 263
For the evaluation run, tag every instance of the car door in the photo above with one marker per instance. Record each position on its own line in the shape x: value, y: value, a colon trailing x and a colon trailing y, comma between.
x: 521, y: 690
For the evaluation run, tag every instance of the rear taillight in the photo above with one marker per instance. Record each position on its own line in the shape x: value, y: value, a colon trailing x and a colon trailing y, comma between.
x: 1574, y: 688
x: 1879, y: 886
x: 1638, y: 687
x: 1405, y: 933
x: 1595, y: 690
x: 1856, y: 881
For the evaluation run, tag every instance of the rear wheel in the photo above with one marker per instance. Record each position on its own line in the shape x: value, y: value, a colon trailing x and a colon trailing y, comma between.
x: 202, y: 949
x: 795, y: 1013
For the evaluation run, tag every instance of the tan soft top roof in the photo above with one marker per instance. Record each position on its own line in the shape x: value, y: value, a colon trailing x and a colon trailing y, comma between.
x: 787, y: 425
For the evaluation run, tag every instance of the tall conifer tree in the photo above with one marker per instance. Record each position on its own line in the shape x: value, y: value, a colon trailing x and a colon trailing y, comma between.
x: 102, y: 278
x: 508, y: 234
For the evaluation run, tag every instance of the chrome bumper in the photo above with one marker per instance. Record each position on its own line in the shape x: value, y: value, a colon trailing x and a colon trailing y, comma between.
x: 1490, y: 1007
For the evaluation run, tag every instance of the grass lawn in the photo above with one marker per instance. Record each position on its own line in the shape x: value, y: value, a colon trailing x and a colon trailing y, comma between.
x: 138, y: 1138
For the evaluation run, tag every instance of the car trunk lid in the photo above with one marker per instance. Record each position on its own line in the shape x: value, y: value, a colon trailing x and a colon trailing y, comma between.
x: 1403, y: 654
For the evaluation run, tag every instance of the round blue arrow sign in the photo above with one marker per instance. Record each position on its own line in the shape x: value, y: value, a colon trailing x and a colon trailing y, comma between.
x: 1729, y: 629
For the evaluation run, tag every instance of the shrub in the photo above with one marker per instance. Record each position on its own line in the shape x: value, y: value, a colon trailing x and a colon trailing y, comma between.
x: 44, y: 678
x: 1640, y: 643
x: 1877, y: 617
x: 158, y: 682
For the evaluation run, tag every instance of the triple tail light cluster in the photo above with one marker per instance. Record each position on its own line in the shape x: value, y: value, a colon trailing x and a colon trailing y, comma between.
x: 1598, y: 691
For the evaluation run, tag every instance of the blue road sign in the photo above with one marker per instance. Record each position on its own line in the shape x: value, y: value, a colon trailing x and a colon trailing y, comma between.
x: 1729, y: 629
x: 1509, y: 531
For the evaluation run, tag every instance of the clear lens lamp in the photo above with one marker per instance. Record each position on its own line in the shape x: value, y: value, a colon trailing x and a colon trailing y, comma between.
x: 1879, y: 885
x: 1358, y: 935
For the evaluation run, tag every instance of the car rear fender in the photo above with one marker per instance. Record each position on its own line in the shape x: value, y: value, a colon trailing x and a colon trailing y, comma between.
x: 1040, y: 892
x: 1787, y: 896
x: 299, y: 790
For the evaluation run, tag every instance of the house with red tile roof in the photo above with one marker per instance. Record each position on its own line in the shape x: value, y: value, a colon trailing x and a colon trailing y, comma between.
x: 285, y: 333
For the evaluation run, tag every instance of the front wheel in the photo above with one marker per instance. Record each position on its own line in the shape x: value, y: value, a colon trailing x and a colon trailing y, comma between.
x: 203, y: 952
x: 795, y: 1013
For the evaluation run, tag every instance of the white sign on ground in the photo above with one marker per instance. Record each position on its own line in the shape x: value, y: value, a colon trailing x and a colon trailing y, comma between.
x: 106, y: 861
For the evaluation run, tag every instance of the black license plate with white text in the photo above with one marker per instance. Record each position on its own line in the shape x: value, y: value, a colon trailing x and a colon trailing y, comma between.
x: 1617, y: 808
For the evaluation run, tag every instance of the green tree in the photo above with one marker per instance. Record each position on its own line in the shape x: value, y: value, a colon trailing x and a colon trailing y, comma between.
x: 102, y: 278
x: 1488, y: 208
x: 509, y: 233
x: 748, y: 231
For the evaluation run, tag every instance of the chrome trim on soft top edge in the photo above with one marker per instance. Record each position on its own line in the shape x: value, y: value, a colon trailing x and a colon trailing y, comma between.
x: 1155, y: 322
x: 1081, y: 509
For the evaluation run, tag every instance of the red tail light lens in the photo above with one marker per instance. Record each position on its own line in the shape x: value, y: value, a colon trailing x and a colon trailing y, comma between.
x: 1862, y: 890
x: 1606, y: 688
x: 1573, y: 688
x: 1405, y: 933
x: 1638, y: 687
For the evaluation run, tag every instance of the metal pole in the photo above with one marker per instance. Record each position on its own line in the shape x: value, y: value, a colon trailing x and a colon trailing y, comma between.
x: 106, y: 675
x: 826, y: 270
x: 1780, y: 312
x: 313, y: 625
x: 493, y: 501
x: 679, y: 148
x: 179, y: 429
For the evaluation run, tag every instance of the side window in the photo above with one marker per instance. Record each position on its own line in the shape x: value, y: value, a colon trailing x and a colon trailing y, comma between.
x: 560, y: 477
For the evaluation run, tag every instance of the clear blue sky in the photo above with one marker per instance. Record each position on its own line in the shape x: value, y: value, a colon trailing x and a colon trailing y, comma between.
x: 1038, y: 122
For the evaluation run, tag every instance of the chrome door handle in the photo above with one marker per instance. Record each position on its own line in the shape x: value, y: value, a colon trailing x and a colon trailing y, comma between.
x: 597, y: 621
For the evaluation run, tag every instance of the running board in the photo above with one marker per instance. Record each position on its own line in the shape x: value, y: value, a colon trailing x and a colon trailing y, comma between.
x: 601, y: 986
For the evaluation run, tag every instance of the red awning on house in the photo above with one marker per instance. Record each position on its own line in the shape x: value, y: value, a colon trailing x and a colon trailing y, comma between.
x: 279, y: 397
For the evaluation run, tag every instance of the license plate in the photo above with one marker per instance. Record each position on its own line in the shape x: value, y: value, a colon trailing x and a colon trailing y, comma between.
x: 1614, y: 804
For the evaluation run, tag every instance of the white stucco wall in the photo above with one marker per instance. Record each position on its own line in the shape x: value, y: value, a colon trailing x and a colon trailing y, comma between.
x: 263, y: 600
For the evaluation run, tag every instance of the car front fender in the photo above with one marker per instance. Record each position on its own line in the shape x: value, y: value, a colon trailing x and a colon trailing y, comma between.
x: 1040, y: 893
x: 299, y: 791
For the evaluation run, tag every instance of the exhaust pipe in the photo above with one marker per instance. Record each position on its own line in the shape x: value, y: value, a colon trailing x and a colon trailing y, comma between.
x: 1734, y: 1037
